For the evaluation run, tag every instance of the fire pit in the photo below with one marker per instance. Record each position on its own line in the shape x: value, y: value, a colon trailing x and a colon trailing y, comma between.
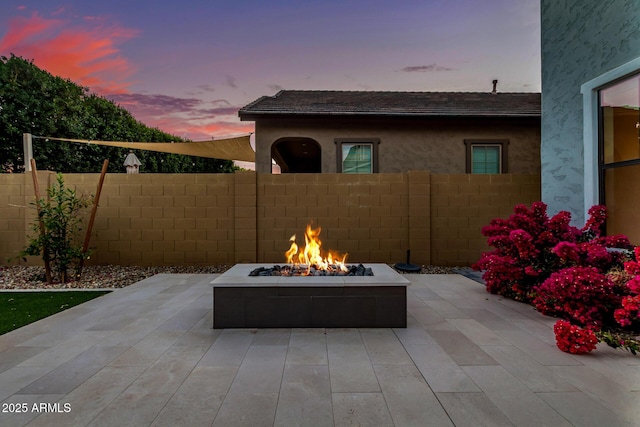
x: 243, y: 301
x: 311, y: 291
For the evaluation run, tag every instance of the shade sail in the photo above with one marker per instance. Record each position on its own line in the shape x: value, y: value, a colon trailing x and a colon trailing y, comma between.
x: 236, y: 148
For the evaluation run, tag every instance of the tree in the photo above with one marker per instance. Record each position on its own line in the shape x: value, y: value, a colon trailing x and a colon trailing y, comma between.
x: 34, y: 101
x: 57, y: 229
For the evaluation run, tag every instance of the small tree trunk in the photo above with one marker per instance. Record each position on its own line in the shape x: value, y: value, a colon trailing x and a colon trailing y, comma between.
x: 45, y: 254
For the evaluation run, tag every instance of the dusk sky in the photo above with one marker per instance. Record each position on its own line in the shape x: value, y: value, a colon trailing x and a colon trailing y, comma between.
x: 186, y: 67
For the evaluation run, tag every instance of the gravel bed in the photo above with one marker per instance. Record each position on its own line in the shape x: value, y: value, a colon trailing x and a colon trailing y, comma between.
x: 116, y: 276
x: 95, y: 277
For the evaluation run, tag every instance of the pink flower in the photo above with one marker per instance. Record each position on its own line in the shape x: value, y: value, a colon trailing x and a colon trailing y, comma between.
x: 523, y: 242
x: 581, y: 294
x: 572, y: 339
x: 632, y: 267
x: 597, y: 218
x: 634, y: 285
x: 559, y: 226
x: 596, y: 254
x: 614, y: 241
x: 629, y: 313
x: 530, y: 271
x: 567, y: 251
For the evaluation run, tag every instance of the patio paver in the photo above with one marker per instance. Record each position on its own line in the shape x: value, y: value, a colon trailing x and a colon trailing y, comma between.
x: 146, y: 355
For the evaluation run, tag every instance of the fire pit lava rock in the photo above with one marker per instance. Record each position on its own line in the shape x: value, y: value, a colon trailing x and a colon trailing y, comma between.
x: 302, y: 270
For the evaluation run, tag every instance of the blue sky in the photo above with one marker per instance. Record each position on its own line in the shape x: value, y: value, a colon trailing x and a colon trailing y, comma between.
x: 186, y: 67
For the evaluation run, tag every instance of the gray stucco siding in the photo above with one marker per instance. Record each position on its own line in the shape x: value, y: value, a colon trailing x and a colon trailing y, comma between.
x: 581, y: 39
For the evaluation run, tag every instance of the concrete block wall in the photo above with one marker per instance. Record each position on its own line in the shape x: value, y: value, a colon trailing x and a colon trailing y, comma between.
x: 12, y: 214
x: 173, y: 219
x: 245, y: 221
x: 462, y: 204
x: 18, y: 212
x: 419, y: 197
x: 365, y: 216
x: 206, y: 219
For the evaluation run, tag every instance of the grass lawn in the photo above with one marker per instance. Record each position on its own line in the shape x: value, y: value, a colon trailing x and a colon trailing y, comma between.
x: 21, y: 308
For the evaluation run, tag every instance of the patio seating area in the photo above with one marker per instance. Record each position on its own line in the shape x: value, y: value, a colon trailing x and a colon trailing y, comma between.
x: 146, y: 355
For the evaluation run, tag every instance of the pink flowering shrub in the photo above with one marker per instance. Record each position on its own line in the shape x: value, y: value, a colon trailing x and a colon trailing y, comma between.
x: 581, y: 295
x: 633, y: 285
x: 628, y: 315
x: 529, y: 246
x: 568, y: 272
x: 592, y: 252
x: 572, y: 339
x: 521, y: 258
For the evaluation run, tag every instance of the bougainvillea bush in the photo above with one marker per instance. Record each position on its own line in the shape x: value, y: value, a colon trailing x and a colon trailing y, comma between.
x: 595, y: 304
x: 590, y: 281
x: 582, y: 295
x: 529, y: 246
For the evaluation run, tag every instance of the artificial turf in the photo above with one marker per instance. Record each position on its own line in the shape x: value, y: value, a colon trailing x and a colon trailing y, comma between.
x: 18, y: 309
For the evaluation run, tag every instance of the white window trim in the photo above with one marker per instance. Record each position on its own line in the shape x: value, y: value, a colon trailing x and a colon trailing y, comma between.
x: 590, y: 107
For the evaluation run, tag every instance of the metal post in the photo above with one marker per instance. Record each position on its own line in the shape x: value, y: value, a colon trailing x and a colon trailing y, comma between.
x: 27, y: 144
x: 96, y: 200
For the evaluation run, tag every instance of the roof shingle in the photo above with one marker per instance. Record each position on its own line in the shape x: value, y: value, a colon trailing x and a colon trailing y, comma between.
x: 418, y: 104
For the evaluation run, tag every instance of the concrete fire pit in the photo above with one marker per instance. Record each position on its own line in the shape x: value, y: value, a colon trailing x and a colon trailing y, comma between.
x: 241, y: 301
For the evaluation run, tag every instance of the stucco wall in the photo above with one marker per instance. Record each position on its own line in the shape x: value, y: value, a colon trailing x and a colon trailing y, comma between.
x: 581, y: 39
x: 433, y: 145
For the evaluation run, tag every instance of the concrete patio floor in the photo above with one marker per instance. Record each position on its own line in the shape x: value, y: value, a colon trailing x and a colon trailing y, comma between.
x: 147, y: 355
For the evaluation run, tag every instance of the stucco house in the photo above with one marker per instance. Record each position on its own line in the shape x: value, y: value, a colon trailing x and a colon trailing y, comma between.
x: 393, y: 132
x: 590, y: 151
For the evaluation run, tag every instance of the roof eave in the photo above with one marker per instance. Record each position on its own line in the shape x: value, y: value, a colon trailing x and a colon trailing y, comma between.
x: 251, y: 116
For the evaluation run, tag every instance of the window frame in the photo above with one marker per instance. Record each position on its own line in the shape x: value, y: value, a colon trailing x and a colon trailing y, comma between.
x: 503, y: 144
x: 592, y: 171
x: 603, y: 165
x: 373, y: 142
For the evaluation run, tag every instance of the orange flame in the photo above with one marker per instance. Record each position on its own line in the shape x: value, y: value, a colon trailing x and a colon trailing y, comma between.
x: 311, y: 255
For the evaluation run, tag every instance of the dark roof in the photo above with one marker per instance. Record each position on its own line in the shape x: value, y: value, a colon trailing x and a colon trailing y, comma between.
x: 417, y: 104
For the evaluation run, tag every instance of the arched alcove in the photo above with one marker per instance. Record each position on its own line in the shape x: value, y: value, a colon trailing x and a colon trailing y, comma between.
x: 297, y: 155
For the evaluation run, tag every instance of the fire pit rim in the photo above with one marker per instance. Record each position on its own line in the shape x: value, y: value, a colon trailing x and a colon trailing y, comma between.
x: 238, y: 275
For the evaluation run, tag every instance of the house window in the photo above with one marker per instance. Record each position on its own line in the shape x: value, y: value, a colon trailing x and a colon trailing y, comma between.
x: 620, y: 121
x: 486, y: 156
x: 619, y: 155
x: 593, y: 147
x: 357, y: 156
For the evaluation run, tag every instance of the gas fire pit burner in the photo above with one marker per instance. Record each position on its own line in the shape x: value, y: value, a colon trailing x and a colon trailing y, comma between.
x: 303, y: 270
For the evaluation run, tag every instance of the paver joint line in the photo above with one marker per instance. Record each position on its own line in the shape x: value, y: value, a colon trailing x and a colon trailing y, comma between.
x: 150, y: 369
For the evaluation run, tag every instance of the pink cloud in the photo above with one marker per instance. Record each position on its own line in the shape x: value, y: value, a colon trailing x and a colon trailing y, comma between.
x: 87, y: 56
x: 87, y: 53
x: 190, y: 118
x: 199, y: 132
x: 21, y: 29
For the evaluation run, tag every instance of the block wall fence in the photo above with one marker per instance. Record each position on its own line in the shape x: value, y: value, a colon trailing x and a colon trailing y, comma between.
x: 205, y: 219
